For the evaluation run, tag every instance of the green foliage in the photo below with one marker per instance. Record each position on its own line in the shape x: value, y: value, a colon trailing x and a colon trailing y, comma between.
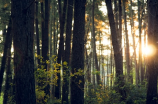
x: 43, y: 78
x: 105, y: 95
x: 98, y: 94
x: 1, y: 98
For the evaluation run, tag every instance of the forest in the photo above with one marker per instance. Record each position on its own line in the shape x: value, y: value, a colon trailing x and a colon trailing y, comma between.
x: 78, y: 51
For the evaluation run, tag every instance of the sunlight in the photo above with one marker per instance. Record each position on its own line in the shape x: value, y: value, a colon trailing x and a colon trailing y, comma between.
x: 149, y: 50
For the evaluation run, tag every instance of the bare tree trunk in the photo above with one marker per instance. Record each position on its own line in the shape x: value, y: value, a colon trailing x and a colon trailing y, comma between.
x: 116, y: 14
x: 77, y: 92
x: 127, y: 44
x: 111, y: 62
x: 37, y: 32
x: 23, y: 33
x: 6, y: 45
x: 65, y: 89
x: 45, y: 43
x: 117, y: 52
x: 134, y: 47
x: 152, y: 59
x: 51, y: 17
x: 140, y: 42
x: 62, y: 16
x: 8, y: 89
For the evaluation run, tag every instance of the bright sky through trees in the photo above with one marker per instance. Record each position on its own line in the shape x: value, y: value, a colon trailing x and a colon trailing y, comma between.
x: 146, y: 50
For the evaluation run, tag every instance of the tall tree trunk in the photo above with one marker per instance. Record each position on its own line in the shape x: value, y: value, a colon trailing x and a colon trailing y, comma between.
x: 127, y: 43
x: 116, y: 14
x: 120, y: 26
x: 134, y: 47
x: 37, y: 33
x: 23, y: 33
x: 62, y: 16
x: 77, y: 92
x: 54, y: 29
x: 140, y: 42
x: 120, y: 31
x: 107, y: 68
x: 7, y: 90
x: 43, y: 32
x: 67, y: 52
x: 6, y: 45
x: 152, y: 59
x: 111, y: 62
x: 142, y: 71
x: 50, y: 46
x: 45, y: 45
x: 95, y: 60
x: 93, y: 45
x: 117, y: 52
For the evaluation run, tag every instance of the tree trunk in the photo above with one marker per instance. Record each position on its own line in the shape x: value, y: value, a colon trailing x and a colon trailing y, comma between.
x: 37, y: 33
x: 77, y: 83
x: 62, y: 16
x: 23, y: 33
x: 120, y: 27
x: 152, y: 59
x: 6, y: 45
x: 140, y: 47
x: 116, y: 14
x: 67, y: 52
x: 45, y: 42
x: 7, y: 90
x: 95, y: 60
x: 117, y: 52
x: 127, y: 44
x: 134, y: 47
x: 107, y: 71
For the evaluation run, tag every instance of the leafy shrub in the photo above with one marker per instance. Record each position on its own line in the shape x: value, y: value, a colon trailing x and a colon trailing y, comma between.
x: 105, y: 95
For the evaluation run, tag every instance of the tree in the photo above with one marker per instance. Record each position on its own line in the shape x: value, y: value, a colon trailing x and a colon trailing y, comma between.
x: 23, y: 32
x: 67, y: 51
x: 37, y: 32
x: 152, y: 59
x: 134, y: 46
x: 7, y: 90
x: 140, y: 42
x: 117, y: 52
x: 6, y: 46
x: 62, y: 16
x: 45, y: 23
x: 45, y: 41
x: 127, y: 42
x: 77, y: 93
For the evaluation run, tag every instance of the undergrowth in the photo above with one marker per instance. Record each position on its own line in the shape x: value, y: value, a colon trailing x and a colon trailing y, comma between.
x: 105, y: 95
x: 94, y: 94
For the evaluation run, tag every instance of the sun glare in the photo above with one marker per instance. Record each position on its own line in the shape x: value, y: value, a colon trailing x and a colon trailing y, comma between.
x: 149, y: 50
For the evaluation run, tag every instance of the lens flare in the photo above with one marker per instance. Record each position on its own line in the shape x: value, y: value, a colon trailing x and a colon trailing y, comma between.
x: 150, y: 50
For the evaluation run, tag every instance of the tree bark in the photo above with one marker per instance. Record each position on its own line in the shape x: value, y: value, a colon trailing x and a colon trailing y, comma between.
x: 37, y: 33
x: 77, y: 92
x: 152, y: 59
x: 117, y: 52
x: 45, y: 42
x: 134, y: 47
x: 23, y: 31
x: 62, y: 16
x: 6, y: 45
x: 127, y: 44
x: 140, y: 42
x: 8, y: 90
x: 67, y: 52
